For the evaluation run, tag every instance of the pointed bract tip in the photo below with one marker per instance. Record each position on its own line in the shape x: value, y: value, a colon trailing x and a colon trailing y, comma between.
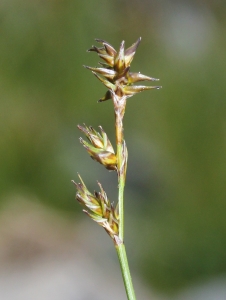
x: 90, y: 49
x: 98, y: 40
x: 121, y: 48
x: 102, y: 100
x: 80, y: 178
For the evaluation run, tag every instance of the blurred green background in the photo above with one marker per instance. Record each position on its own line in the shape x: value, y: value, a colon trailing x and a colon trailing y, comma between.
x: 176, y: 137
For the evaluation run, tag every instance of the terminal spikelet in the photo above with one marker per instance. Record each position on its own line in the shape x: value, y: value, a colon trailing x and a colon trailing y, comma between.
x: 115, y: 71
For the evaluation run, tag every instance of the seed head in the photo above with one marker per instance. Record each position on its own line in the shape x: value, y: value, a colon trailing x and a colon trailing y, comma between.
x: 100, y: 148
x: 115, y: 71
x: 98, y: 207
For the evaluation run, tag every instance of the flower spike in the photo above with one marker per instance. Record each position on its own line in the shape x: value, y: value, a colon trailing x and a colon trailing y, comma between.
x: 98, y: 207
x: 100, y: 148
x: 115, y: 72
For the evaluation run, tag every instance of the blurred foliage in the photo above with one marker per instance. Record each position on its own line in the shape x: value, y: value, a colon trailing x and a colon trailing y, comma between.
x: 176, y: 187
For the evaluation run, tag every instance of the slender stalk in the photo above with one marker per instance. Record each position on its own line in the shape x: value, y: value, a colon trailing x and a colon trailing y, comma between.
x: 119, y: 106
x: 121, y: 251
x: 121, y: 183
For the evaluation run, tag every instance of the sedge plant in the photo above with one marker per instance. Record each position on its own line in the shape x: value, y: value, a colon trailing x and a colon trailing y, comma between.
x: 114, y: 73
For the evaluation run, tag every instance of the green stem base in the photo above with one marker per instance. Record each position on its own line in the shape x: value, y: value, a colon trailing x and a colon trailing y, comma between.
x: 121, y: 251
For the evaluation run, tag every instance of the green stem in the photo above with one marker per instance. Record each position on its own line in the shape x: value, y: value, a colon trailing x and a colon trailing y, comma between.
x: 121, y: 251
x: 119, y: 106
x: 122, y: 166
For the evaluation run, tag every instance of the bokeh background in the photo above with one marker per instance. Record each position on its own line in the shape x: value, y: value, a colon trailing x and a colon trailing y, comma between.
x: 176, y: 186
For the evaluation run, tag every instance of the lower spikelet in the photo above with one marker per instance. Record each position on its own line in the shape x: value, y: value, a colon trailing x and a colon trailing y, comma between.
x: 98, y: 207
